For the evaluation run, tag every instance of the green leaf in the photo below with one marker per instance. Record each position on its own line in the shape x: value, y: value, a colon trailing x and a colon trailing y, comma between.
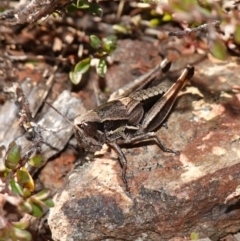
x: 136, y: 20
x: 49, y: 203
x: 36, y: 210
x: 95, y: 42
x: 26, y: 193
x: 237, y: 34
x: 32, y: 62
x: 218, y: 49
x: 155, y: 22
x: 110, y: 43
x: 22, y: 234
x: 42, y: 194
x: 101, y: 68
x: 75, y: 77
x: 25, y: 179
x: 207, y: 12
x: 183, y: 5
x: 194, y: 236
x: 154, y: 13
x: 22, y: 176
x: 71, y: 8
x: 110, y: 40
x: 36, y: 161
x: 20, y: 225
x: 82, y: 4
x: 26, y: 207
x: 167, y: 17
x: 13, y: 155
x: 95, y: 10
x: 82, y: 66
x: 15, y: 187
x: 122, y: 28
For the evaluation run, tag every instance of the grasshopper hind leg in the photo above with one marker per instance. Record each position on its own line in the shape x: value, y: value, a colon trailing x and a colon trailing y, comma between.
x: 148, y: 137
x: 163, y: 147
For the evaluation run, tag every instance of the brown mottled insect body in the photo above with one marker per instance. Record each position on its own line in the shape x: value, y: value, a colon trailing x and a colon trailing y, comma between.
x: 129, y: 119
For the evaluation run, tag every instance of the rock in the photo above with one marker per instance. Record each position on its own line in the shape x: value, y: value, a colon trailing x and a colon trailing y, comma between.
x: 170, y: 195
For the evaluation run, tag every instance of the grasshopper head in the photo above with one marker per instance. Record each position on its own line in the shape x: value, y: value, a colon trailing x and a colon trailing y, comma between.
x: 88, y: 132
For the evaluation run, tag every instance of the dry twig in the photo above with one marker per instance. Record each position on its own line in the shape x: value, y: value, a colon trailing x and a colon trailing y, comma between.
x: 32, y: 11
x: 203, y: 27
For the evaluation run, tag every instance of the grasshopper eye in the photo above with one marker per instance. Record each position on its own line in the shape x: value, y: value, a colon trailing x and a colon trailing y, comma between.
x: 89, y: 128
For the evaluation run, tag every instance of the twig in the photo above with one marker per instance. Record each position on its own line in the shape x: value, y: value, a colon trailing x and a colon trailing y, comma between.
x: 27, y: 122
x: 204, y: 27
x: 32, y: 11
x: 26, y: 119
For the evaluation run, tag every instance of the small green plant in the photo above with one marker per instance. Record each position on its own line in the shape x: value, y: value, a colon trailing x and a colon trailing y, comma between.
x: 203, y: 12
x: 17, y: 189
x: 194, y: 236
x: 93, y: 8
x: 103, y: 48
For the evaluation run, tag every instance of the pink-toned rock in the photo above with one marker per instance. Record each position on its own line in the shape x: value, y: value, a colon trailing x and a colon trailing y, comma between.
x: 170, y: 195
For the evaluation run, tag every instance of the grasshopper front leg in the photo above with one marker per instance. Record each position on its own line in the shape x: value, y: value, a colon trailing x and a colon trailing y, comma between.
x: 129, y: 140
x: 123, y: 162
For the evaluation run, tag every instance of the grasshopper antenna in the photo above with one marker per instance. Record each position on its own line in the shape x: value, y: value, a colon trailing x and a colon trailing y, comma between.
x: 70, y: 122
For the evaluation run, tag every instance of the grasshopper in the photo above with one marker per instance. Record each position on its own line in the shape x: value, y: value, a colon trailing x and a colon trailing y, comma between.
x: 131, y: 117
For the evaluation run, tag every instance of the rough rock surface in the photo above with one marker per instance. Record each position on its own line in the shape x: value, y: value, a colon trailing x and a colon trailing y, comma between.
x: 170, y: 195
